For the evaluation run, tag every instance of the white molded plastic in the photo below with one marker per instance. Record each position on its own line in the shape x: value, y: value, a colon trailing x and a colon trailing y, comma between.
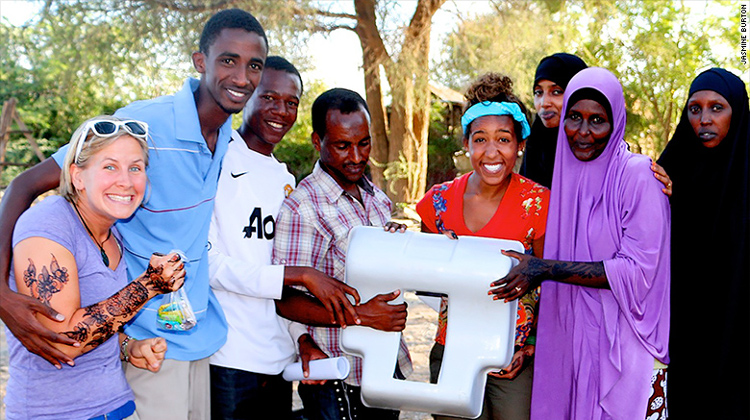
x: 480, y: 332
x: 334, y: 368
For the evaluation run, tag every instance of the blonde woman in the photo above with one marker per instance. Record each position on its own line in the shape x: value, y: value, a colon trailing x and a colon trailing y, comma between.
x: 67, y: 254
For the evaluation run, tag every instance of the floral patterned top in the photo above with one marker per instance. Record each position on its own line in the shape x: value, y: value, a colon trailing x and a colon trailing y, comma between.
x: 521, y: 216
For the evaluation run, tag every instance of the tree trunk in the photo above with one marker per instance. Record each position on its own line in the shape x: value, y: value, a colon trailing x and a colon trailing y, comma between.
x: 421, y: 116
x: 400, y: 148
x: 400, y: 139
x: 379, y: 120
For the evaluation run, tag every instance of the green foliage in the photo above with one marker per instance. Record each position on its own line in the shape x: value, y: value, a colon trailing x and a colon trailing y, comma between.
x: 510, y: 41
x: 296, y: 149
x: 655, y: 48
x: 443, y: 143
x: 81, y: 58
x: 53, y: 87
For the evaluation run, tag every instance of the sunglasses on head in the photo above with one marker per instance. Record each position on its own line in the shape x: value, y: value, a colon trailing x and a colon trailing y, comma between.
x: 106, y: 128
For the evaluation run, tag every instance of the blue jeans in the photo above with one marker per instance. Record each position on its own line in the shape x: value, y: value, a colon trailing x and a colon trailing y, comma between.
x: 237, y: 394
x: 336, y: 400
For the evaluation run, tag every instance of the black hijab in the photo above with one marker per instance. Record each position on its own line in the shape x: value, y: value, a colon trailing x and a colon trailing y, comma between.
x: 539, y: 157
x: 710, y: 260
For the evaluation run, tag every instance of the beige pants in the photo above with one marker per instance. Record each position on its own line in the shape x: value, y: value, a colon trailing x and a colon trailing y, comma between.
x: 178, y: 391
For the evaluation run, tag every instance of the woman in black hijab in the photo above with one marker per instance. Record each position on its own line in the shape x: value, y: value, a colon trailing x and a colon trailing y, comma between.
x: 707, y: 159
x: 551, y: 78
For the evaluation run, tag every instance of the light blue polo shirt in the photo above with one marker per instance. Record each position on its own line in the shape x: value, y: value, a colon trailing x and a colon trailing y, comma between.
x: 183, y: 176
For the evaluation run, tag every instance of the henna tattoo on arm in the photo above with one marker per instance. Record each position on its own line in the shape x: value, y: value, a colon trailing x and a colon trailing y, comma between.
x: 537, y: 270
x: 128, y: 300
x: 48, y: 282
x: 95, y: 324
x: 96, y: 314
x: 155, y: 279
x: 102, y: 320
x: 80, y: 333
x: 591, y: 274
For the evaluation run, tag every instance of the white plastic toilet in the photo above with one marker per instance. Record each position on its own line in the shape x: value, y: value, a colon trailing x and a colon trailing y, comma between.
x: 480, y: 333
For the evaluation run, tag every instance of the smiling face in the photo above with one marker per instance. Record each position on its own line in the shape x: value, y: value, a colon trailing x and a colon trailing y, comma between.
x: 345, y: 147
x: 588, y: 129
x: 272, y: 110
x: 231, y: 69
x: 112, y: 184
x: 710, y: 115
x: 548, y: 101
x: 493, y: 148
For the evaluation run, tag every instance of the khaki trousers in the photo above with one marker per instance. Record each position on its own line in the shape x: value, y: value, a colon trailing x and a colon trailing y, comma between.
x: 180, y: 390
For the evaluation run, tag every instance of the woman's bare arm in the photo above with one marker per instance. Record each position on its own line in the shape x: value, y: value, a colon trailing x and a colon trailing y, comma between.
x: 47, y: 272
x: 17, y: 311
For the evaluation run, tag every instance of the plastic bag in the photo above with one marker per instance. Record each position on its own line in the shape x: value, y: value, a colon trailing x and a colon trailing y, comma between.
x: 175, y: 312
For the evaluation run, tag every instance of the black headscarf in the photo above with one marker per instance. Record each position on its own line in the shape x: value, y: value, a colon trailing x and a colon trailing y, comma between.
x: 594, y: 95
x: 539, y: 157
x: 710, y: 330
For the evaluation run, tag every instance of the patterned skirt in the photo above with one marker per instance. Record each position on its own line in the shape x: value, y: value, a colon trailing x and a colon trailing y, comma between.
x: 657, y: 402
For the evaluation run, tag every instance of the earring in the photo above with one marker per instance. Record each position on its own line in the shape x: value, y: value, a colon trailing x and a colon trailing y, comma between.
x: 520, y: 153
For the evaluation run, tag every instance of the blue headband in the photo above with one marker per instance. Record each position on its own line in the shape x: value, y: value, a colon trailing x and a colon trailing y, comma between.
x: 485, y: 108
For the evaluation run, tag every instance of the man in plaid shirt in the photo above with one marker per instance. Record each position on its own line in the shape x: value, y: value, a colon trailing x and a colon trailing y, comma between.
x: 312, y: 230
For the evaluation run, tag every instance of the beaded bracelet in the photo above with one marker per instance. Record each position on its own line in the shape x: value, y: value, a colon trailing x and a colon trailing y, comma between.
x: 124, y: 355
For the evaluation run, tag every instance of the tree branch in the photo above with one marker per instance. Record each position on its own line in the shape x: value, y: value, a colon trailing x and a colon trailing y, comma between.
x: 368, y: 32
x: 178, y: 6
x: 331, y: 28
x: 422, y: 18
x: 326, y: 13
x: 421, y: 24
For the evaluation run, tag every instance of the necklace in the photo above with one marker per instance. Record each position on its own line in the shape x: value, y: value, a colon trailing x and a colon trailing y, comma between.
x: 105, y: 258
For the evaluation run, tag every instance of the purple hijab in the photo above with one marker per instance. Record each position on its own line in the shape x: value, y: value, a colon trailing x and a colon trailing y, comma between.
x: 596, y: 347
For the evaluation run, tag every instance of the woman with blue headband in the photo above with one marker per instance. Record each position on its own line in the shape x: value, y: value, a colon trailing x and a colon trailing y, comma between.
x: 492, y: 201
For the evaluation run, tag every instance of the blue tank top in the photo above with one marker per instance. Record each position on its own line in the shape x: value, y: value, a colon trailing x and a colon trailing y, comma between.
x: 96, y: 384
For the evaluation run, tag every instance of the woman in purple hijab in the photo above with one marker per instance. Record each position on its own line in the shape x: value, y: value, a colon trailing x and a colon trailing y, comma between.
x: 604, y: 314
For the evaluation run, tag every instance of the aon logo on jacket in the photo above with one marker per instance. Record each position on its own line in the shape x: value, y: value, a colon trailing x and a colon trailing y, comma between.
x: 259, y: 226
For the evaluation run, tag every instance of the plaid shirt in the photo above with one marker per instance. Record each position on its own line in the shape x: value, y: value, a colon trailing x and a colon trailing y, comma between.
x: 312, y: 230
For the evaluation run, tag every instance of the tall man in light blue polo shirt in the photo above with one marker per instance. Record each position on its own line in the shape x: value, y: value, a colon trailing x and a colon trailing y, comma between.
x: 183, y: 175
x: 189, y: 133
